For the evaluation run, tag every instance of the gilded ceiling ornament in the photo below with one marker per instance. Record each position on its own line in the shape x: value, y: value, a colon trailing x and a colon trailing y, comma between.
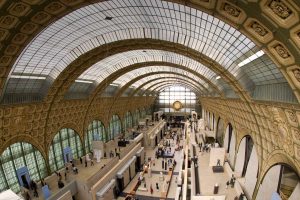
x: 231, y: 10
x: 29, y: 27
x: 280, y: 123
x: 11, y: 49
x: 54, y: 7
x: 296, y: 73
x: 283, y: 131
x: 19, y: 9
x: 40, y: 17
x: 4, y: 60
x: 297, y: 149
x: 282, y: 52
x: 19, y: 38
x: 292, y: 116
x: 296, y: 134
x: 3, y: 33
x: 280, y: 9
x: 8, y: 21
x: 259, y: 29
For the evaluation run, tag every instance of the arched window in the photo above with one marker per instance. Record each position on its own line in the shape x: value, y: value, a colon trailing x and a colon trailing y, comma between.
x: 127, y: 121
x: 136, y: 117
x: 220, y: 131
x: 95, y: 132
x: 114, y: 127
x: 143, y: 113
x: 281, y: 181
x: 229, y: 144
x: 246, y: 164
x: 16, y: 156
x: 65, y: 138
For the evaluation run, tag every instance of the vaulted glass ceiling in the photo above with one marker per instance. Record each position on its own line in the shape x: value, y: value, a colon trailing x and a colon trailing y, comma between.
x: 87, y: 28
x: 145, y: 70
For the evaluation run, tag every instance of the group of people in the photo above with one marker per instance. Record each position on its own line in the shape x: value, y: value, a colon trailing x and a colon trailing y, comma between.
x: 32, y: 186
x: 231, y: 182
x: 204, y: 148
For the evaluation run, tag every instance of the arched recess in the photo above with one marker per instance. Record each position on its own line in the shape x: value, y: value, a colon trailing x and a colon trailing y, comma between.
x: 208, y: 121
x: 127, y: 122
x: 164, y: 84
x: 16, y: 156
x: 213, y: 122
x: 280, y: 180
x: 142, y: 113
x: 246, y: 165
x: 115, y: 127
x: 95, y: 132
x: 136, y: 117
x: 220, y: 131
x: 156, y: 84
x: 65, y: 139
x: 229, y: 144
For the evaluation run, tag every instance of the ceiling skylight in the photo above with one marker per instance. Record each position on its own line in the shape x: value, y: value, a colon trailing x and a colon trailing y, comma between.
x: 251, y: 58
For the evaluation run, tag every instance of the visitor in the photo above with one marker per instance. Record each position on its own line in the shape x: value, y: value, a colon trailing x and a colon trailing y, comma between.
x: 151, y: 189
x: 92, y: 162
x: 60, y: 184
x: 43, y: 183
x: 75, y: 170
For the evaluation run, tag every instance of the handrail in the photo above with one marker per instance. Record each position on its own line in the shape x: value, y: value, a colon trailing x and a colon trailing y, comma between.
x: 93, y: 179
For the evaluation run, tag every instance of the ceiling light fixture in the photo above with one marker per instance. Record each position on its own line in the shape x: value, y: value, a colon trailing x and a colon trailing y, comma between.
x: 251, y: 58
x: 28, y: 77
x: 83, y: 81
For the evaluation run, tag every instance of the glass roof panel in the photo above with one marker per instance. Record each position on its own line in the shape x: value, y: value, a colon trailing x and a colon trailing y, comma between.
x: 171, y: 77
x: 86, y: 28
x: 122, y: 80
x: 105, y: 67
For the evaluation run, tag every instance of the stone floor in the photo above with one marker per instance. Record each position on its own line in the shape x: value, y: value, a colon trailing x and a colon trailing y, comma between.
x: 156, y: 168
x: 208, y: 178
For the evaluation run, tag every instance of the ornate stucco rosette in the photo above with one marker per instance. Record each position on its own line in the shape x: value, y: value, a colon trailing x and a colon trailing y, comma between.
x: 177, y: 105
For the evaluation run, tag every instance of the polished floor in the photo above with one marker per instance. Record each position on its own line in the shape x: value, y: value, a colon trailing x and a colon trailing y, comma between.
x: 156, y: 168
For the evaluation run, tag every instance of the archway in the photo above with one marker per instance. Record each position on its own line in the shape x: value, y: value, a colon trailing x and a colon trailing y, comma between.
x: 281, y: 181
x: 65, y: 146
x: 95, y: 132
x: 246, y: 165
x: 127, y: 122
x: 17, y: 156
x: 115, y: 127
x: 229, y: 144
x: 220, y: 132
x: 136, y: 117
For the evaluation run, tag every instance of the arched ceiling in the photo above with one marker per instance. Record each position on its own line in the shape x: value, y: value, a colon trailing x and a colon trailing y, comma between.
x: 134, y: 73
x: 184, y: 23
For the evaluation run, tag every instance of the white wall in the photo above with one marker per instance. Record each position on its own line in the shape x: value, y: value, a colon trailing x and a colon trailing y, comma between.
x: 296, y: 193
x: 269, y: 184
x: 226, y: 138
x: 251, y: 174
x: 232, y: 149
x: 240, y: 158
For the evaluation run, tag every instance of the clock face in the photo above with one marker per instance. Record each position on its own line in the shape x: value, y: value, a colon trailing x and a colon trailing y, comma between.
x: 177, y: 105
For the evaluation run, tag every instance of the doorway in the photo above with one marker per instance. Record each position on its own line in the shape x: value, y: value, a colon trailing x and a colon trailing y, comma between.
x: 24, y: 180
